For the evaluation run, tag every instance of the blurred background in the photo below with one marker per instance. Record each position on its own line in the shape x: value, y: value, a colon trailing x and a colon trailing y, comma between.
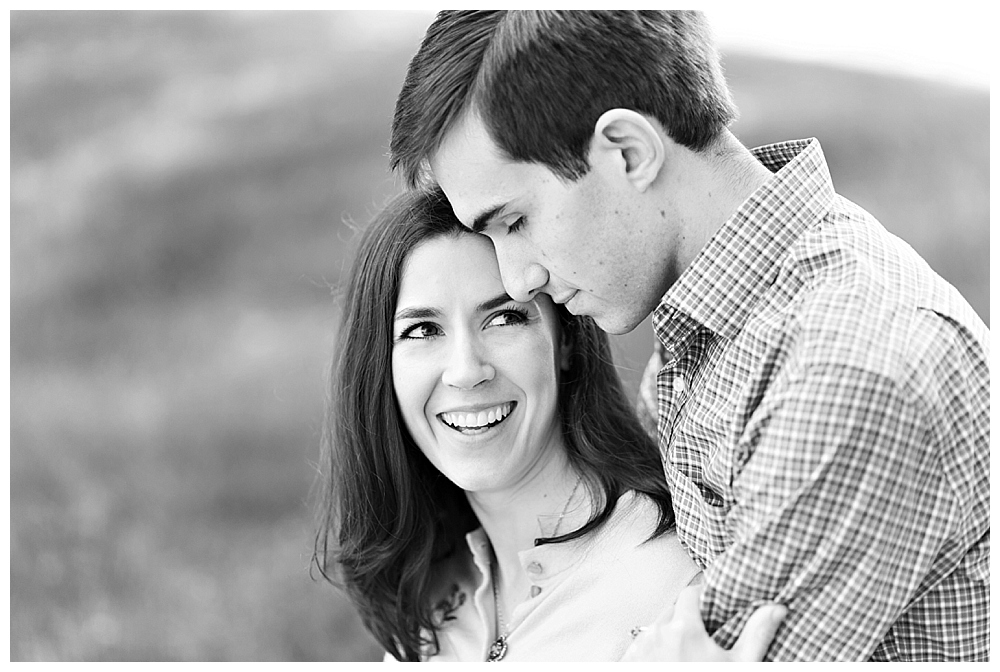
x: 184, y: 193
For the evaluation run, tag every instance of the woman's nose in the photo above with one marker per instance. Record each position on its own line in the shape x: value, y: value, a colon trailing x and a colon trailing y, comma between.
x: 467, y: 365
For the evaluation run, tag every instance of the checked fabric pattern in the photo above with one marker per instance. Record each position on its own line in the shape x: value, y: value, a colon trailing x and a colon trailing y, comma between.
x: 821, y: 400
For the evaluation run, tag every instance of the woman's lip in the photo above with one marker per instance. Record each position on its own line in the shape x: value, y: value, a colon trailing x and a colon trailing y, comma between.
x: 476, y: 408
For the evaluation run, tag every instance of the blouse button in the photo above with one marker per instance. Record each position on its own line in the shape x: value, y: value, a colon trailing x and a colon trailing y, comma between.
x: 535, y: 591
x: 534, y: 567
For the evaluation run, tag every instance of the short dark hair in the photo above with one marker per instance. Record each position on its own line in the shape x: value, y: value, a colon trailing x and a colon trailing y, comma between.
x: 541, y: 79
x: 387, y: 513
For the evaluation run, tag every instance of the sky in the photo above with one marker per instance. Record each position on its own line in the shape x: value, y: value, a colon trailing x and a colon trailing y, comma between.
x: 951, y: 41
x: 954, y: 46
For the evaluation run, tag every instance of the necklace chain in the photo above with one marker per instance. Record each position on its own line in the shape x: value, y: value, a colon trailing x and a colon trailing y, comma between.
x: 499, y: 647
x: 555, y: 532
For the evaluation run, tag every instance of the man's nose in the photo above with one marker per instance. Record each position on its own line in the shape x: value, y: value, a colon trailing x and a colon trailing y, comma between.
x: 467, y: 365
x: 522, y: 277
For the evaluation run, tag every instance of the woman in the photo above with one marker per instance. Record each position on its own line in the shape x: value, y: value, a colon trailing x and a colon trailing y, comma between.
x: 490, y: 494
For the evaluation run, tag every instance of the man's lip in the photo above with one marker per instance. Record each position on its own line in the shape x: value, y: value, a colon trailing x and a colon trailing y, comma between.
x: 565, y: 298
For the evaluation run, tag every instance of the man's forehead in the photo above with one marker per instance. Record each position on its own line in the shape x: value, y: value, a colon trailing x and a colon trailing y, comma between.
x: 469, y: 171
x: 465, y: 142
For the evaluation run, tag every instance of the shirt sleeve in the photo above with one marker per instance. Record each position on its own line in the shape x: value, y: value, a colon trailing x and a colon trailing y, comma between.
x: 841, y: 510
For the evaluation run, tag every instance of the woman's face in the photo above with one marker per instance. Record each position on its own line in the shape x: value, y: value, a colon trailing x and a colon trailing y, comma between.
x: 475, y: 373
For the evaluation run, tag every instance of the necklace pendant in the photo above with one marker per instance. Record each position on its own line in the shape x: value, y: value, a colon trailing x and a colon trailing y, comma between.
x: 498, y: 650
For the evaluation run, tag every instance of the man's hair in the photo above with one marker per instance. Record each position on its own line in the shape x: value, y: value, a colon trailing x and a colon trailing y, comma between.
x: 387, y: 513
x: 539, y: 81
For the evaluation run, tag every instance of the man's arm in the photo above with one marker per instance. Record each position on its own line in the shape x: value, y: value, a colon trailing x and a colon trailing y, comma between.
x: 845, y: 512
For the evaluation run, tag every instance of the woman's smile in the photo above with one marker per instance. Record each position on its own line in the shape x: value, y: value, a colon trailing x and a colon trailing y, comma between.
x: 473, y: 422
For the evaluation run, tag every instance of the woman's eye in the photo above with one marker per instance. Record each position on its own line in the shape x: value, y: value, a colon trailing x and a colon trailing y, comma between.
x: 507, y: 318
x: 419, y: 331
x: 516, y: 226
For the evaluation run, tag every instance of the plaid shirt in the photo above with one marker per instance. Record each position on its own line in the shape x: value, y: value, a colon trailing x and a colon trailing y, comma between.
x: 821, y: 399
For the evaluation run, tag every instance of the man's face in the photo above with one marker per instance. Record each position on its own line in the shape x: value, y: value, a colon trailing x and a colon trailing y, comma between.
x: 584, y: 243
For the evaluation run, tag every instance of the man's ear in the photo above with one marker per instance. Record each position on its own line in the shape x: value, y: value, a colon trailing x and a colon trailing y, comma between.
x: 630, y: 142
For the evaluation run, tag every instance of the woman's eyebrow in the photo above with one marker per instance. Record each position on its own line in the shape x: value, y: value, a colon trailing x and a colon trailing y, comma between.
x: 417, y: 313
x: 424, y: 313
x: 495, y: 302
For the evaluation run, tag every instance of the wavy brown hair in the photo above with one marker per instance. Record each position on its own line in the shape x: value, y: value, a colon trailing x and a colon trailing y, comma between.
x: 387, y: 515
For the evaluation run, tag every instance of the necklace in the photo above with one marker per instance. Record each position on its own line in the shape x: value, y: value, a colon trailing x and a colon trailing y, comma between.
x: 499, y: 647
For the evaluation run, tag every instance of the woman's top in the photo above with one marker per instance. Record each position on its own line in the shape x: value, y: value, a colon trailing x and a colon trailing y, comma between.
x: 587, y: 594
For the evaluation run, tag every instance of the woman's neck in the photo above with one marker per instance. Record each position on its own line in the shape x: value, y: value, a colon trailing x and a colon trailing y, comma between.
x: 551, y: 502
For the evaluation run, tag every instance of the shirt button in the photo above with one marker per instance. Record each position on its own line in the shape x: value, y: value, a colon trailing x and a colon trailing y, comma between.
x: 680, y: 385
x: 536, y: 591
x: 534, y: 567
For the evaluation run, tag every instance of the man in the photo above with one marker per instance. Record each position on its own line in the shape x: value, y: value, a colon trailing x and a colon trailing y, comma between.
x: 820, y: 395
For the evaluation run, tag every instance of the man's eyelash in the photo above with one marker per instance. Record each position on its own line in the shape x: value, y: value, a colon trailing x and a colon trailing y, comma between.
x: 516, y: 226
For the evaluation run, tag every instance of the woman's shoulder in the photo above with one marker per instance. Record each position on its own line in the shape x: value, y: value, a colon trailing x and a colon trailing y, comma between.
x: 632, y: 560
x: 632, y: 526
x: 637, y: 512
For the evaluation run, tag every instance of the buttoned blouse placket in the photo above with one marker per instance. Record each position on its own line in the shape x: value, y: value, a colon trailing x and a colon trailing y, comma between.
x: 543, y: 564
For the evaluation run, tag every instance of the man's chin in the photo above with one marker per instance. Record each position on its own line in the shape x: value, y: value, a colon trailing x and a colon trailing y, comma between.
x: 612, y: 322
x: 616, y: 325
x: 616, y: 330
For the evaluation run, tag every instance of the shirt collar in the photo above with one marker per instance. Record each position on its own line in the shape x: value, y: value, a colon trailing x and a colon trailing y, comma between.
x: 557, y: 558
x: 553, y: 558
x: 727, y: 278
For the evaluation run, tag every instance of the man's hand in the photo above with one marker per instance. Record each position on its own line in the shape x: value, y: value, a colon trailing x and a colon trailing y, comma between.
x: 679, y: 635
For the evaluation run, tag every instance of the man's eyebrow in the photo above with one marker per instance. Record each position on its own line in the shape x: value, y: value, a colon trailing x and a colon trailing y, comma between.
x: 417, y: 313
x: 483, y: 220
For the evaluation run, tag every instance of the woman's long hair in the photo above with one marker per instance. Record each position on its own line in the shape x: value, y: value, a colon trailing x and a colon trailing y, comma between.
x: 387, y: 514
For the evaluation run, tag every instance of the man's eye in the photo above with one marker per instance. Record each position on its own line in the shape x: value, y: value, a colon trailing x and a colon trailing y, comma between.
x: 516, y: 226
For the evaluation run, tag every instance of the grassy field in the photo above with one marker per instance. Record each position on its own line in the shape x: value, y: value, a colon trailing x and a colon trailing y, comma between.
x: 184, y: 189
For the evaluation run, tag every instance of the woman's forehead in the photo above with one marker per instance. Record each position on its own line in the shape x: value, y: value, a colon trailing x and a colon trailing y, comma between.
x: 447, y: 266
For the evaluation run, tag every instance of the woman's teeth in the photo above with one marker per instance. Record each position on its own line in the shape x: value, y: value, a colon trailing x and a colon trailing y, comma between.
x: 480, y: 420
